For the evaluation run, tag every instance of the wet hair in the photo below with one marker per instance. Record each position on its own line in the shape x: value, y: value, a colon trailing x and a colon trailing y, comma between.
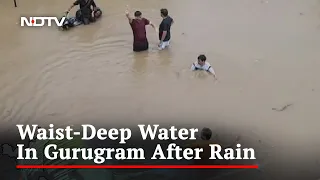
x: 206, y: 133
x: 164, y: 12
x: 137, y: 14
x: 97, y: 13
x: 202, y: 57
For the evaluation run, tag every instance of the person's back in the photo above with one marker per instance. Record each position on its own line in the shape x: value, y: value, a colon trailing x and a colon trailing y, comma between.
x: 84, y: 14
x: 85, y: 6
x: 138, y: 25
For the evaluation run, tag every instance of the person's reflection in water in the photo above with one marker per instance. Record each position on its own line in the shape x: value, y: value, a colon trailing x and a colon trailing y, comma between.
x: 165, y: 57
x: 140, y: 63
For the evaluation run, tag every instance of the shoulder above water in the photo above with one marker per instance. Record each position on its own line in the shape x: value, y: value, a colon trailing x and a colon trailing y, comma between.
x: 206, y: 66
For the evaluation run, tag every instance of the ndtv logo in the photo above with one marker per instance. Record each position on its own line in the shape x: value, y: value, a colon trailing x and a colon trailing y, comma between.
x: 41, y: 21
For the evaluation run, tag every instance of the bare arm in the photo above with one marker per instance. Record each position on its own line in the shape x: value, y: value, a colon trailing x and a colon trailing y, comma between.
x: 74, y: 4
x: 94, y: 6
x: 153, y: 26
x: 211, y: 71
x: 164, y: 34
x: 128, y: 15
x: 193, y: 67
x: 69, y: 9
x: 147, y: 22
x: 129, y: 18
x: 166, y: 28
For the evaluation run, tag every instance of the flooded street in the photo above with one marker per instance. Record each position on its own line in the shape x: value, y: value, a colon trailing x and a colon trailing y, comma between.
x: 265, y: 53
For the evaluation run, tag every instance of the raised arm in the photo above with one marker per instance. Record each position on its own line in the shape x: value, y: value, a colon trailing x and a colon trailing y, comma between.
x: 128, y: 15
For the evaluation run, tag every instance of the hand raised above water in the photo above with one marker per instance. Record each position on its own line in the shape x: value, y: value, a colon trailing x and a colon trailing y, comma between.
x: 127, y: 10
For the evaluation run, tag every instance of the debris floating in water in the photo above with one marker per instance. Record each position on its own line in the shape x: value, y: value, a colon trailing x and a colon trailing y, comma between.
x: 283, y: 108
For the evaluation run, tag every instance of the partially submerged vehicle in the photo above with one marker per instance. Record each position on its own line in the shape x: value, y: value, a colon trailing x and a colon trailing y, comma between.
x: 75, y: 21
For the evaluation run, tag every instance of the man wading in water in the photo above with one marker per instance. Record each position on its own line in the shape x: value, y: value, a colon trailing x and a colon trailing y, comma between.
x: 85, y: 14
x: 138, y: 25
x: 164, y: 29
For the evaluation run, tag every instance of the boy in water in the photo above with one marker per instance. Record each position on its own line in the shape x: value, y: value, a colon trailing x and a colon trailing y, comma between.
x: 201, y: 64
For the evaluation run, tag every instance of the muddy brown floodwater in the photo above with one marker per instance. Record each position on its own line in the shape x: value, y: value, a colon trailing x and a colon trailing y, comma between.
x: 266, y: 55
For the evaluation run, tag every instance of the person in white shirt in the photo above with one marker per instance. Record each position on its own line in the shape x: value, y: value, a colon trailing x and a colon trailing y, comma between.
x: 201, y: 64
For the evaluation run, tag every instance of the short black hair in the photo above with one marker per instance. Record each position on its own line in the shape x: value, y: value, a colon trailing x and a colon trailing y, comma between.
x: 206, y: 133
x: 164, y: 12
x: 202, y: 57
x: 137, y: 13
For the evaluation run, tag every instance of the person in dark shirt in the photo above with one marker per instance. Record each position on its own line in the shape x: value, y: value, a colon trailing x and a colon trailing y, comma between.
x: 85, y: 14
x: 164, y: 29
x: 138, y: 25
